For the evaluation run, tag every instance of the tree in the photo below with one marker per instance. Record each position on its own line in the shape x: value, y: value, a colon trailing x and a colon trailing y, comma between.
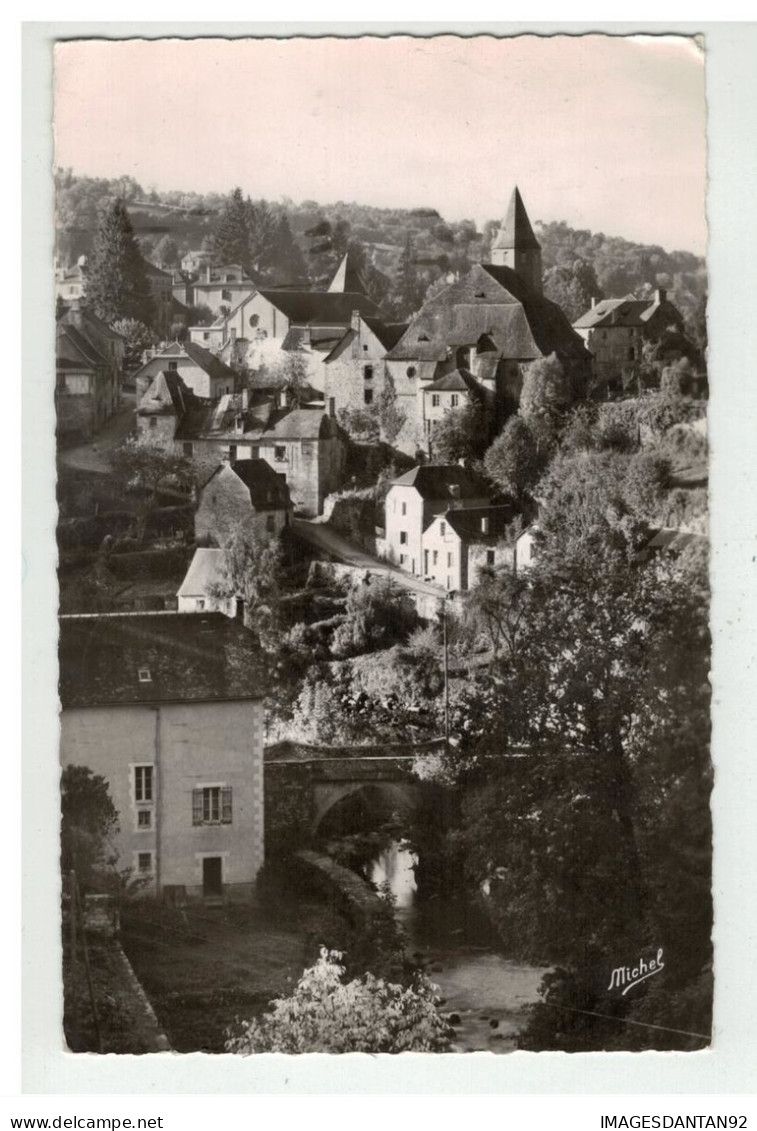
x: 460, y: 435
x: 408, y: 292
x: 167, y: 252
x: 513, y: 461
x: 231, y: 239
x: 544, y: 398
x: 391, y: 416
x: 137, y: 338
x: 89, y: 823
x: 145, y: 466
x: 117, y: 283
x: 378, y: 613
x: 327, y: 1014
x: 287, y: 260
x: 250, y: 571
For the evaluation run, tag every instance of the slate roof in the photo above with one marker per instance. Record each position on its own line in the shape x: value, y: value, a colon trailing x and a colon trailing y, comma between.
x: 74, y: 351
x: 167, y: 394
x: 628, y: 311
x: 268, y: 491
x: 516, y: 230
x: 493, y: 303
x: 459, y: 380
x: 212, y: 420
x: 89, y: 318
x: 189, y: 657
x: 205, y: 570
x: 208, y: 361
x: 347, y: 277
x: 333, y: 308
x: 437, y: 481
x: 467, y: 523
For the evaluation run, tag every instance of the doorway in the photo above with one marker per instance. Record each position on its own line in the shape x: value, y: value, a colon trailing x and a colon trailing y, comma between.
x: 212, y: 875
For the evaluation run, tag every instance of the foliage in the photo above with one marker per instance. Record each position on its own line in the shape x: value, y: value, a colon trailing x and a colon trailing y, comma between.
x: 513, y: 461
x: 408, y: 288
x: 392, y: 417
x: 251, y: 570
x: 378, y: 613
x: 89, y: 823
x: 461, y: 434
x: 137, y: 338
x: 117, y: 283
x: 572, y: 287
x: 362, y: 423
x: 231, y: 241
x: 145, y: 467
x: 167, y: 252
x: 544, y: 398
x: 327, y: 1014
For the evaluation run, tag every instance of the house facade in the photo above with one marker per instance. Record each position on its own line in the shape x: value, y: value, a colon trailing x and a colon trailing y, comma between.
x: 200, y: 370
x: 355, y: 374
x: 88, y: 373
x: 615, y: 331
x: 168, y: 709
x: 196, y: 594
x: 415, y: 499
x: 246, y: 494
x: 221, y: 288
x: 458, y: 544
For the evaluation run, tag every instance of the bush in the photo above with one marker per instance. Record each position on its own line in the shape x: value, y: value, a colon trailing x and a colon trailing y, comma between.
x: 149, y: 563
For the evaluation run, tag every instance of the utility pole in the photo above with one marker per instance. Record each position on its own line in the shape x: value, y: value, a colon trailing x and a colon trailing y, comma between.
x: 446, y: 677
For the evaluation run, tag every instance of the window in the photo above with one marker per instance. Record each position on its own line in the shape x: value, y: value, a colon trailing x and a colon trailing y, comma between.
x: 153, y: 422
x: 449, y: 561
x: 403, y: 559
x: 270, y: 523
x: 200, y: 604
x: 632, y: 354
x: 490, y: 557
x: 435, y: 556
x: 454, y: 400
x: 442, y: 528
x: 254, y: 319
x: 411, y: 371
x: 232, y: 451
x: 368, y: 372
x: 225, y: 296
x: 368, y: 396
x: 206, y: 335
x: 211, y: 805
x: 435, y: 400
x: 404, y: 508
x: 143, y: 675
x: 403, y: 538
x: 188, y: 450
x: 143, y: 783
x: 173, y: 366
x: 144, y: 819
x: 365, y: 349
x: 144, y: 862
x: 279, y: 452
x: 255, y: 453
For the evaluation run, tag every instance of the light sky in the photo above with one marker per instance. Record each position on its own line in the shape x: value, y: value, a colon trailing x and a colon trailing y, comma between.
x: 607, y: 133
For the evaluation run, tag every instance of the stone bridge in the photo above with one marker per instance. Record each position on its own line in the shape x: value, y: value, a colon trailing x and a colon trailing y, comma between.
x: 378, y: 778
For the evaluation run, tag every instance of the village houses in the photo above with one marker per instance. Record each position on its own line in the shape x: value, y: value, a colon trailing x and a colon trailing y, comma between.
x: 354, y: 370
x: 200, y: 370
x: 89, y: 358
x: 245, y: 495
x: 218, y: 288
x: 168, y: 708
x: 412, y: 502
x: 457, y: 544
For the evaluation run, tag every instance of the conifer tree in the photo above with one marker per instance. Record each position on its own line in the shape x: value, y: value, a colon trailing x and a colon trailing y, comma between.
x: 231, y: 242
x: 117, y: 283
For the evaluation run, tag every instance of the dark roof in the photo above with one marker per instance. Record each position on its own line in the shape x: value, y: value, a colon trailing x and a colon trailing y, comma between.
x: 207, y: 361
x: 188, y: 658
x: 468, y: 522
x: 628, y: 311
x: 85, y: 319
x: 440, y: 481
x: 332, y: 308
x: 74, y: 351
x: 495, y: 304
x: 217, y: 420
x: 347, y: 277
x: 459, y: 380
x: 516, y: 230
x: 268, y: 491
x: 388, y: 333
x: 167, y: 394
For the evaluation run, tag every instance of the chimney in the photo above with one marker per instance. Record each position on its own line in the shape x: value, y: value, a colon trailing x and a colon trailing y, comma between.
x: 245, y: 399
x: 355, y: 321
x: 207, y: 272
x: 283, y: 398
x: 660, y: 295
x: 484, y: 525
x: 232, y: 335
x: 593, y: 301
x: 74, y: 310
x: 454, y: 490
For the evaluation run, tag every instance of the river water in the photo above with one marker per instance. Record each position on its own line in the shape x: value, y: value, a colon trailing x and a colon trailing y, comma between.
x: 456, y: 949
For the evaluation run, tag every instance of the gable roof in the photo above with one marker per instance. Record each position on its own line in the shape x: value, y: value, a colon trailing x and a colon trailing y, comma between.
x: 628, y: 311
x: 347, y: 277
x: 74, y: 351
x: 441, y: 481
x: 459, y: 380
x: 217, y: 420
x: 516, y: 231
x: 467, y: 523
x: 85, y: 319
x: 189, y: 657
x: 207, y: 361
x: 166, y: 394
x: 325, y: 308
x: 496, y: 304
x: 267, y: 490
x: 205, y: 570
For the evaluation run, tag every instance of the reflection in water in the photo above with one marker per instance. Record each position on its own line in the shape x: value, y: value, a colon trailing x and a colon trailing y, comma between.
x: 455, y: 947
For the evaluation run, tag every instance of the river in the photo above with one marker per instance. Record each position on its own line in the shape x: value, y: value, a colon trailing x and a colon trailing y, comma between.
x: 453, y: 944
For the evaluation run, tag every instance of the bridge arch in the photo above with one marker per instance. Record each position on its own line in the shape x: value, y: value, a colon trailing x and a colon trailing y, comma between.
x: 379, y: 799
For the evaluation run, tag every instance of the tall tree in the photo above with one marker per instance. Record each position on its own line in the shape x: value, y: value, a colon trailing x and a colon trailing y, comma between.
x: 89, y: 822
x: 460, y: 435
x: 145, y: 466
x: 231, y: 239
x: 408, y: 291
x: 287, y: 261
x: 117, y: 283
x: 513, y: 462
x: 250, y: 571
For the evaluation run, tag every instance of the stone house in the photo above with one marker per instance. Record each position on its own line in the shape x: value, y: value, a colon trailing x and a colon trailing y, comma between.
x: 414, y: 500
x: 195, y: 594
x: 200, y: 370
x: 221, y: 288
x: 450, y: 392
x: 354, y: 370
x: 168, y: 708
x: 491, y: 323
x: 457, y: 544
x: 615, y: 329
x: 88, y: 372
x: 247, y: 493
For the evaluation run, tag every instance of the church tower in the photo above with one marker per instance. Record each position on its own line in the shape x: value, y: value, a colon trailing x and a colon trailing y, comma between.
x: 516, y: 246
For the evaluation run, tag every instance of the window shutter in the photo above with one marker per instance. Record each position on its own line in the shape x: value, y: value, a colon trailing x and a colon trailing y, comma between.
x: 226, y: 805
x: 196, y: 806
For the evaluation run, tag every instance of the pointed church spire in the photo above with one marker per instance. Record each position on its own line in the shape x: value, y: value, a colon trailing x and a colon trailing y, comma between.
x: 347, y: 278
x: 516, y: 231
x: 516, y: 246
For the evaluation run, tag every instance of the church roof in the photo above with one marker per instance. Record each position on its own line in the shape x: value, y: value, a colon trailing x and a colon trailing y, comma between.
x: 347, y: 277
x: 516, y: 230
x: 628, y: 311
x: 459, y: 380
x: 325, y: 308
